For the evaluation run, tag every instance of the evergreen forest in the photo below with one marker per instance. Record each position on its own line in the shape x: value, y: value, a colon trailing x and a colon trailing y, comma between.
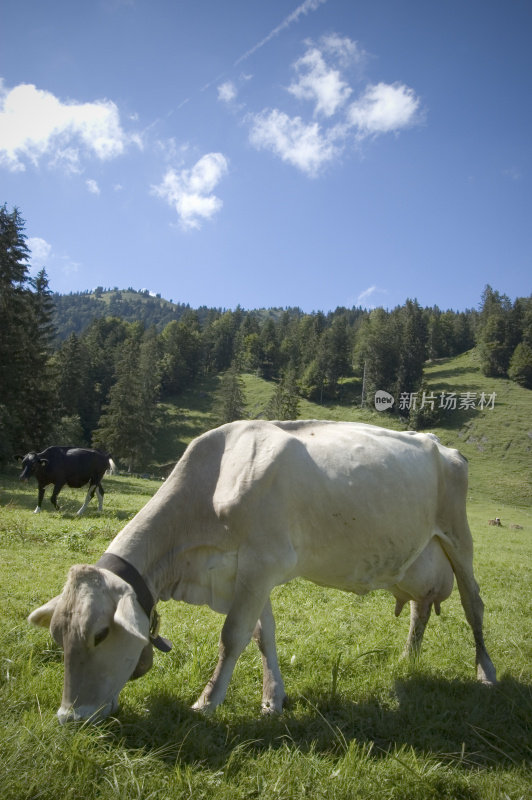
x: 93, y: 368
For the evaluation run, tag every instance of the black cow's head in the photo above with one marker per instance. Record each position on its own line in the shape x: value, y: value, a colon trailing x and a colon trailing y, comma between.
x: 31, y: 465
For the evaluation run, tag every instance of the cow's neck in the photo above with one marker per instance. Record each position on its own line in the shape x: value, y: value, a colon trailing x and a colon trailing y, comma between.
x: 151, y: 541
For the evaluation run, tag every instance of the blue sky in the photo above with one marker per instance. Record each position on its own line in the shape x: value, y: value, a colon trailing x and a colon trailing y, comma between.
x: 317, y: 154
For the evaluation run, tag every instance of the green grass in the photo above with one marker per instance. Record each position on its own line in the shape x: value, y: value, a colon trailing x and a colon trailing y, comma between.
x: 361, y: 723
x: 498, y: 441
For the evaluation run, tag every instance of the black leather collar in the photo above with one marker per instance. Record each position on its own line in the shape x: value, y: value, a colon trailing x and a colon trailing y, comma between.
x: 123, y: 569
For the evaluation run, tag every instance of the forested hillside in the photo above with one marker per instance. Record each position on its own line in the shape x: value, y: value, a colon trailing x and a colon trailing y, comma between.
x: 103, y: 368
x: 74, y: 312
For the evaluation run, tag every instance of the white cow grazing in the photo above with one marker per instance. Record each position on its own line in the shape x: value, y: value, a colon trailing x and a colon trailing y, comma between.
x: 249, y: 506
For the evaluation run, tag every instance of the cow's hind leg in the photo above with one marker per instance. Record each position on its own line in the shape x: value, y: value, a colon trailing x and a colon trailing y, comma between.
x: 462, y: 563
x: 273, y: 694
x: 53, y: 498
x: 474, y: 611
x: 88, y: 498
x: 99, y: 494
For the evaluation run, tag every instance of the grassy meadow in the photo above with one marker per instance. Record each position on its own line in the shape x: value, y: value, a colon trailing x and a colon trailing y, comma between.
x: 361, y: 723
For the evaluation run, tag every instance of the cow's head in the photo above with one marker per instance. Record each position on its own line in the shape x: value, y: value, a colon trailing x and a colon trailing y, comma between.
x: 31, y: 465
x: 104, y: 633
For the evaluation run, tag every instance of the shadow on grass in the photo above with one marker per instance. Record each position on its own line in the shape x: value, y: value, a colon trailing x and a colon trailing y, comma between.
x: 24, y: 495
x: 459, y: 721
x: 435, y: 375
x: 129, y: 485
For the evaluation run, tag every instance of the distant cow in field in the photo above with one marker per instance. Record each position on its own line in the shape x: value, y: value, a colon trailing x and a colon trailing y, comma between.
x: 496, y: 522
x: 74, y: 466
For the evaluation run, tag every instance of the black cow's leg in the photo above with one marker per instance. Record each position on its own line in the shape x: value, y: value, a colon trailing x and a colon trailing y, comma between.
x: 39, y: 500
x: 99, y: 494
x: 88, y: 497
x: 53, y: 498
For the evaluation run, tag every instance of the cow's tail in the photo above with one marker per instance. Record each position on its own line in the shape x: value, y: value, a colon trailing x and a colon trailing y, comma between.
x: 112, y: 466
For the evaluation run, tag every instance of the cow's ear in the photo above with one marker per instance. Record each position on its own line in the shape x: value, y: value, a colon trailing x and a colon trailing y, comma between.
x: 130, y: 616
x: 43, y: 616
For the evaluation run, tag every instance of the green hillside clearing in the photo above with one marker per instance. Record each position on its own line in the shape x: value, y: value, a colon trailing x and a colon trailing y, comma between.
x: 496, y: 441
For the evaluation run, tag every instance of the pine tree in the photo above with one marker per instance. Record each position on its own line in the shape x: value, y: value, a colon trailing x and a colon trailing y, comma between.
x: 520, y: 369
x: 13, y: 314
x: 496, y: 341
x: 102, y: 342
x: 25, y: 312
x: 127, y: 425
x: 181, y: 357
x: 231, y: 400
x: 42, y: 410
x: 269, y: 347
x: 413, y: 347
x: 219, y: 338
x: 377, y: 351
x: 284, y: 402
x: 73, y: 392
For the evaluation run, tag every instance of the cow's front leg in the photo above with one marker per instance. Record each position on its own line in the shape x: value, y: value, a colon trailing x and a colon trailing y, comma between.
x: 236, y: 633
x: 273, y: 693
x: 53, y: 498
x: 39, y: 499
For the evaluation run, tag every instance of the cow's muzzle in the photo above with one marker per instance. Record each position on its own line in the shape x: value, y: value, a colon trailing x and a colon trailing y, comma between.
x: 86, y: 713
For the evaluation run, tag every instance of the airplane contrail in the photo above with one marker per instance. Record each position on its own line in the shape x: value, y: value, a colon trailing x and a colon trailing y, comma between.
x: 304, y: 8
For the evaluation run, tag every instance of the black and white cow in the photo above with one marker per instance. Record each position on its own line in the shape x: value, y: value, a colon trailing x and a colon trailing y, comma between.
x: 74, y: 466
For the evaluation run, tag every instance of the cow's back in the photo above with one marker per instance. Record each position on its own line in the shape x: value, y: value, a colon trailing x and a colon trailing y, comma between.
x: 344, y: 504
x: 82, y: 465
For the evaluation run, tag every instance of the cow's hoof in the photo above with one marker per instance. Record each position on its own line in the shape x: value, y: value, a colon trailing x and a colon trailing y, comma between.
x: 203, y: 708
x: 486, y: 674
x: 270, y: 708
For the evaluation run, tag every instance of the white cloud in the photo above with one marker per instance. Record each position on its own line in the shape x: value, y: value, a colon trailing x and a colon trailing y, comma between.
x: 303, y: 145
x: 381, y: 108
x: 92, y: 186
x: 69, y: 267
x: 384, y: 108
x: 320, y: 83
x: 40, y: 249
x: 227, y: 92
x: 344, y: 49
x: 35, y: 124
x: 513, y: 172
x: 368, y: 293
x: 190, y: 191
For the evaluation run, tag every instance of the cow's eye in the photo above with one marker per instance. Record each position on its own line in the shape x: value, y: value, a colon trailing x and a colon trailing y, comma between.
x: 100, y: 636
